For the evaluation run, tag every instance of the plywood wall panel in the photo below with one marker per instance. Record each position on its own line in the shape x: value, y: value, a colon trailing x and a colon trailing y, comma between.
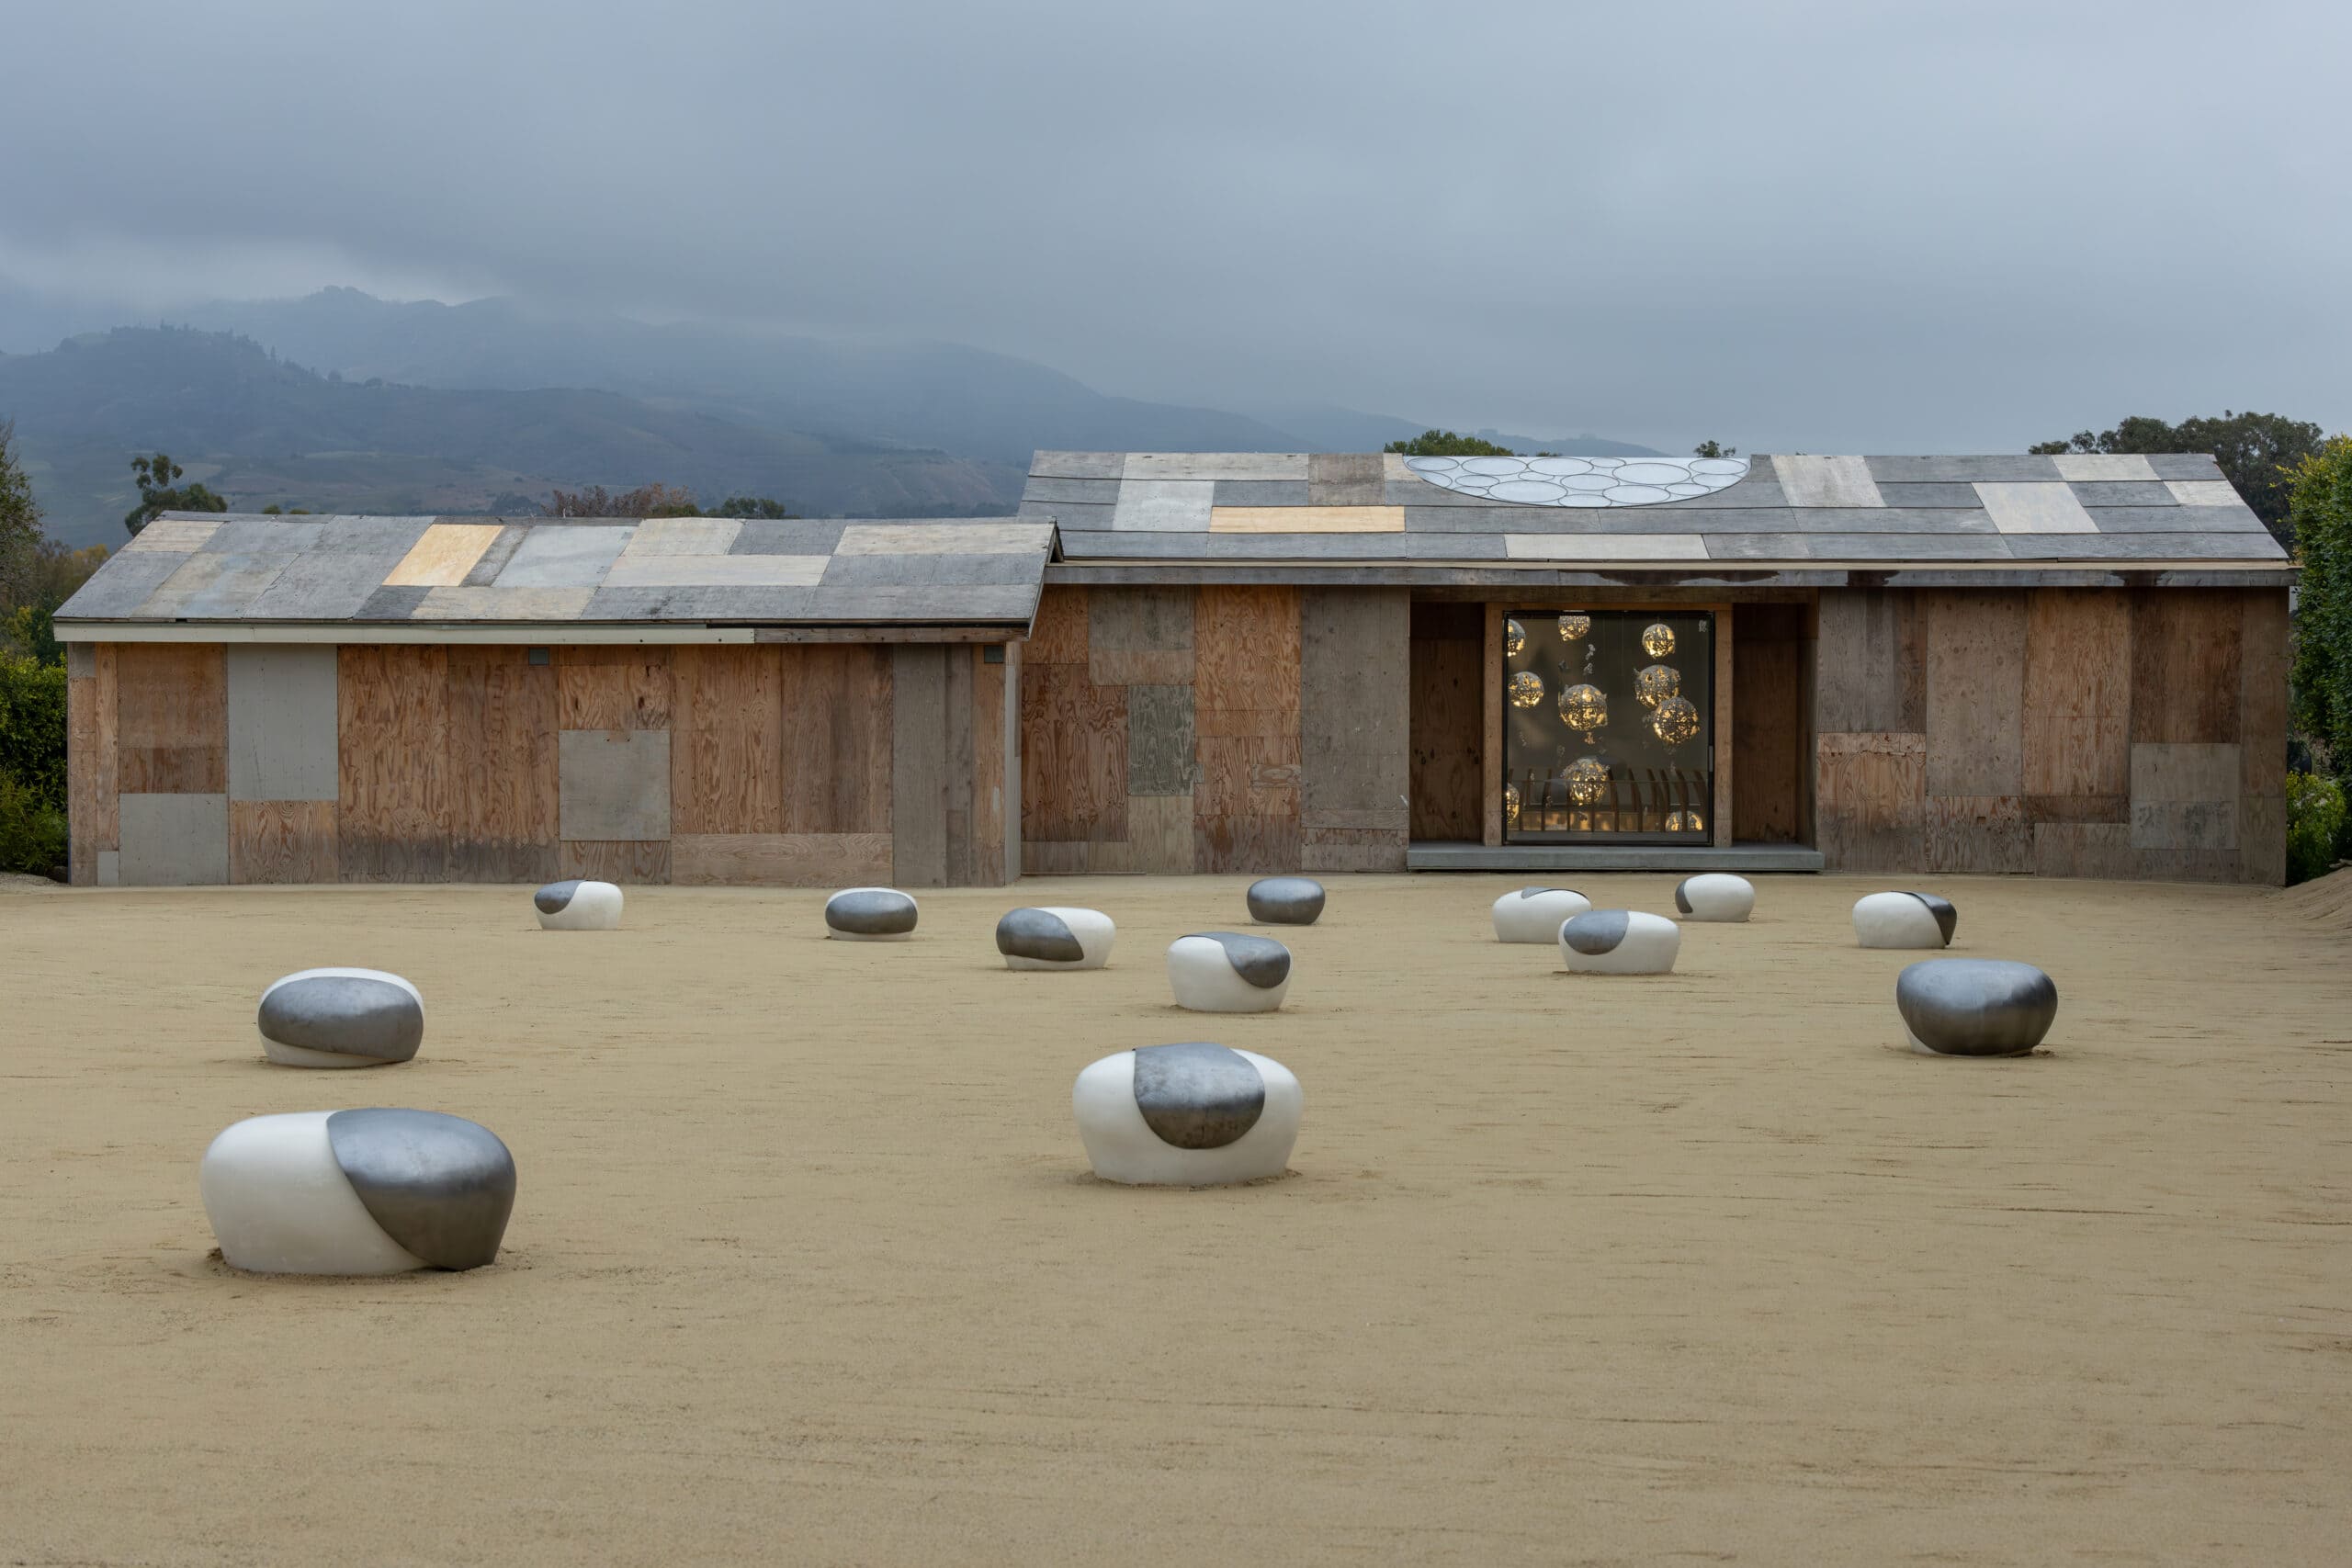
x: 2262, y: 693
x: 780, y: 860
x: 504, y: 776
x: 92, y: 765
x: 283, y: 842
x: 989, y: 742
x: 1256, y: 845
x: 836, y: 714
x: 727, y: 740
x: 172, y: 718
x: 2076, y: 712
x: 922, y: 774
x: 1975, y: 661
x: 1870, y: 667
x: 1073, y: 755
x: 1448, y: 686
x: 2186, y: 653
x: 622, y: 861
x: 1245, y: 650
x: 1976, y: 836
x: 1767, y: 732
x: 393, y: 810
x: 1059, y: 634
x: 613, y: 688
x: 1872, y: 796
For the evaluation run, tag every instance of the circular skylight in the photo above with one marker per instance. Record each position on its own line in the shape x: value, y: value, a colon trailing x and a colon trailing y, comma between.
x: 1581, y: 481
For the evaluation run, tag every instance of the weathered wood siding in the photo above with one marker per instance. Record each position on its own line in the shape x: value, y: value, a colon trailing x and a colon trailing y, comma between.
x: 2066, y: 732
x: 775, y: 763
x: 1216, y: 729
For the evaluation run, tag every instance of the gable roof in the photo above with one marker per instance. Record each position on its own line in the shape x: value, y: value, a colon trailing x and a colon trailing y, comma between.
x: 1786, y: 512
x: 371, y: 577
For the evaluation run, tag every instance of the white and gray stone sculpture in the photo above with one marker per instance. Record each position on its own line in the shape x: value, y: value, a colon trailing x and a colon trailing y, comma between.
x: 340, y: 1018
x: 1189, y: 1115
x: 578, y: 906
x: 870, y: 914
x: 1974, y: 1006
x: 1619, y: 941
x: 1285, y: 900
x: 1533, y: 914
x: 378, y: 1191
x: 1904, y: 919
x: 1715, y: 897
x: 1227, y: 972
x: 1055, y: 937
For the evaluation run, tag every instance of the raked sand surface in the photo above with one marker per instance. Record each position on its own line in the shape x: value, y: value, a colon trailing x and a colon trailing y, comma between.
x: 807, y: 1266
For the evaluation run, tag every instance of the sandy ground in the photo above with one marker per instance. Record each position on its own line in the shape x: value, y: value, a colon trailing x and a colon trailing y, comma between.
x: 807, y: 1266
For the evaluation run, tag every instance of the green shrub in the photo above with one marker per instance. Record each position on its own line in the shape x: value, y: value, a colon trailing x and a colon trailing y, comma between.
x: 2322, y: 514
x: 32, y: 832
x: 32, y: 727
x: 2315, y: 825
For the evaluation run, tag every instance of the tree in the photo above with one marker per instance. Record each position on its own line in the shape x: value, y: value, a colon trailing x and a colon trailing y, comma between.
x: 759, y: 506
x: 161, y: 491
x: 19, y: 516
x: 645, y: 501
x: 2258, y: 453
x: 1445, y: 443
x: 53, y: 576
x: 2321, y: 516
x: 1711, y: 447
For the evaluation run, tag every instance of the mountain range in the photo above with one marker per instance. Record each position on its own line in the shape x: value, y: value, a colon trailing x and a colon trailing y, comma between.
x: 340, y: 401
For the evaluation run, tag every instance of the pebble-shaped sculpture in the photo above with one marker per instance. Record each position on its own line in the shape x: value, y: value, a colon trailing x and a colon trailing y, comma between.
x: 1619, y: 941
x: 870, y: 914
x: 1533, y: 914
x: 1190, y: 1115
x: 1715, y: 897
x: 1974, y: 1006
x: 340, y: 1018
x: 378, y: 1191
x: 1904, y: 919
x: 1285, y: 900
x: 578, y: 905
x: 1227, y: 972
x: 1055, y: 937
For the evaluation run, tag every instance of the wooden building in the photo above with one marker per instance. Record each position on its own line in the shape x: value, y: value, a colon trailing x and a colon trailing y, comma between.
x: 1204, y: 662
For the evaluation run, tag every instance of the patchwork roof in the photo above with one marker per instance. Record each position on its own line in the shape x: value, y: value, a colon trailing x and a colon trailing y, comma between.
x: 1873, y: 513
x: 553, y: 572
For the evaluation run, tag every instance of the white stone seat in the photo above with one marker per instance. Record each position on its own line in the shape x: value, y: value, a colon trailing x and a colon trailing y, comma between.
x: 377, y: 1192
x: 1227, y: 972
x: 1533, y: 914
x: 1715, y: 896
x: 340, y: 1018
x: 1904, y: 919
x: 1619, y: 941
x: 1055, y: 936
x: 1187, y: 1115
x: 578, y: 905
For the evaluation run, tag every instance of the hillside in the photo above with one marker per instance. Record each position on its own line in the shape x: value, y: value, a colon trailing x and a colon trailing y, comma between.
x: 263, y: 429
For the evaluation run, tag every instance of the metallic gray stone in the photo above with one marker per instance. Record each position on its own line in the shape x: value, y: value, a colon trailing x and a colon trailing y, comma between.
x: 1286, y: 900
x: 1595, y: 932
x: 1947, y: 918
x: 1976, y: 1007
x: 1260, y: 960
x: 1197, y: 1096
x: 440, y: 1185
x: 556, y: 897
x: 872, y: 911
x: 1681, y: 899
x: 1034, y: 933
x: 348, y: 1015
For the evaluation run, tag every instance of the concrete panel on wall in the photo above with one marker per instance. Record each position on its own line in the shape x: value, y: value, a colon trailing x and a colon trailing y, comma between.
x: 614, y: 784
x: 1160, y: 741
x: 1355, y: 727
x: 921, y: 768
x: 174, y: 841
x: 281, y: 705
x: 2184, y: 796
x: 1869, y: 672
x: 1976, y: 662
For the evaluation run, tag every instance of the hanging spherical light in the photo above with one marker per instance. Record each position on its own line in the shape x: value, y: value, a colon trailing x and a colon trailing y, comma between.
x: 1656, y: 682
x: 1685, y: 822
x: 1675, y: 721
x: 1514, y: 638
x: 1573, y: 628
x: 1658, y: 639
x: 1511, y: 803
x: 1587, y: 780
x: 1526, y: 688
x: 1583, y: 709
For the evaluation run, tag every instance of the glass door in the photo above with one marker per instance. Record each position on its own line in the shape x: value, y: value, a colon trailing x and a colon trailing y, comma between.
x: 1609, y: 726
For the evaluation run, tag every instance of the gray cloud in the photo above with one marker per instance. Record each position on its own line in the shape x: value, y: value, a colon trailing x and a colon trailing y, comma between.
x: 1806, y: 226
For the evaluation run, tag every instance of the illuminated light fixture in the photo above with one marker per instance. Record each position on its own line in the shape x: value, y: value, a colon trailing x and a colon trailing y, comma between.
x: 1675, y: 721
x: 1658, y: 639
x: 1656, y: 682
x: 1575, y: 628
x: 1685, y: 822
x: 1511, y: 802
x: 1514, y: 638
x: 1583, y: 709
x: 1587, y: 780
x: 1526, y: 688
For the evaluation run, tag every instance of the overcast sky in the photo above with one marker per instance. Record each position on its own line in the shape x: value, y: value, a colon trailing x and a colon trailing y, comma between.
x: 1831, y: 227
